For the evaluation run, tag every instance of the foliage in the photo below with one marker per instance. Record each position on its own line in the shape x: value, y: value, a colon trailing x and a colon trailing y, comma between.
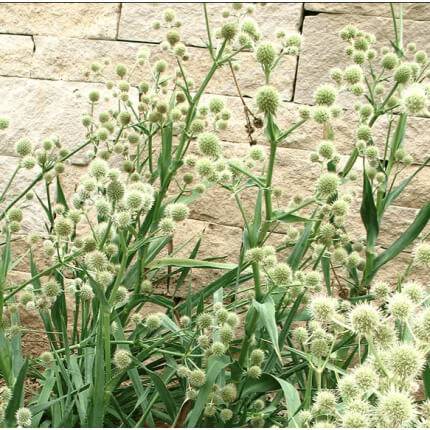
x: 302, y: 335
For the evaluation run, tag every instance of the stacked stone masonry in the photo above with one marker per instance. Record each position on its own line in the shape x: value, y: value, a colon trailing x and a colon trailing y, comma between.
x: 45, y: 50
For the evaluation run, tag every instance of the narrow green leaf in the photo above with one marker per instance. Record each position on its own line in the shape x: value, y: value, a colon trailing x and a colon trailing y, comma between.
x: 186, y: 262
x: 214, y: 366
x: 292, y: 400
x: 17, y: 398
x: 267, y: 314
x: 368, y: 211
x: 403, y: 241
x: 164, y: 394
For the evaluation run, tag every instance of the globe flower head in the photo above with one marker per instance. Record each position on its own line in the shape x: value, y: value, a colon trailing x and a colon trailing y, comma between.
x: 364, y: 319
x: 209, y: 145
x: 323, y: 308
x: 402, y: 73
x: 405, y: 361
x: 268, y: 100
x: 414, y: 291
x: 266, y: 54
x: 24, y: 147
x: 328, y: 184
x: 177, y: 211
x: 414, y: 100
x: 421, y: 255
x: 395, y: 409
x: 400, y: 306
x: 353, y: 74
x: 23, y: 417
x: 197, y: 378
x: 121, y: 359
x: 229, y: 31
x: 325, y: 95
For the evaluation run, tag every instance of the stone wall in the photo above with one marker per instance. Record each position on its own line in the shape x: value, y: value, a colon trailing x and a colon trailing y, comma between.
x: 46, y: 49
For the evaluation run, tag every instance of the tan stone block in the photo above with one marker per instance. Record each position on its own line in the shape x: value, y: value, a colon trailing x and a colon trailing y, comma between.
x: 136, y: 20
x: 84, y: 20
x: 415, y: 11
x: 323, y: 49
x: 16, y: 53
x: 69, y: 58
x: 39, y: 109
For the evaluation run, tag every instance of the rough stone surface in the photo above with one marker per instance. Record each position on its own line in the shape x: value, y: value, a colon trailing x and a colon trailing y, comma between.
x: 16, y: 53
x: 136, y: 20
x: 47, y: 108
x: 415, y: 11
x: 324, y: 49
x: 84, y: 20
x: 69, y: 58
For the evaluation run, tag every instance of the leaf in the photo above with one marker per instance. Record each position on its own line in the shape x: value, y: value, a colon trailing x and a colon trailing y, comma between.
x: 403, y: 241
x: 267, y: 313
x: 17, y: 396
x: 392, y: 196
x: 183, y: 413
x: 368, y: 211
x: 300, y: 247
x: 288, y: 217
x: 426, y: 380
x: 186, y: 262
x: 325, y: 265
x: 164, y: 393
x: 60, y: 195
x: 214, y: 366
x: 292, y: 400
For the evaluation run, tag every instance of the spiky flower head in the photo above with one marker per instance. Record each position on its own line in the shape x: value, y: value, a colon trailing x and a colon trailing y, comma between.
x: 218, y: 348
x: 325, y: 402
x: 226, y: 415
x: 414, y: 100
x: 204, y: 320
x: 421, y: 255
x: 153, y: 322
x: 63, y: 226
x: 325, y: 95
x: 405, y: 360
x: 86, y: 293
x: 414, y: 290
x: 209, y: 145
x: 197, y: 378
x: 353, y: 419
x: 254, y: 372
x: 177, y: 211
x: 328, y: 184
x: 98, y: 168
x: 321, y: 114
x: 257, y: 357
x: 4, y: 123
x: 51, y: 288
x: 24, y: 147
x: 395, y: 409
x: 300, y: 334
x: 348, y: 388
x: 402, y: 73
x: 229, y: 31
x: 400, y: 306
x: 326, y: 149
x: 364, y: 319
x: 266, y: 53
x: 323, y: 308
x: 96, y: 260
x: 268, y: 99
x: 380, y: 290
x: 121, y: 359
x: 353, y: 74
x: 281, y: 274
x: 23, y: 417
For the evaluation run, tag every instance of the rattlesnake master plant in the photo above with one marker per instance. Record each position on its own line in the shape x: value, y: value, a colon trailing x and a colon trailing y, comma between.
x: 313, y: 339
